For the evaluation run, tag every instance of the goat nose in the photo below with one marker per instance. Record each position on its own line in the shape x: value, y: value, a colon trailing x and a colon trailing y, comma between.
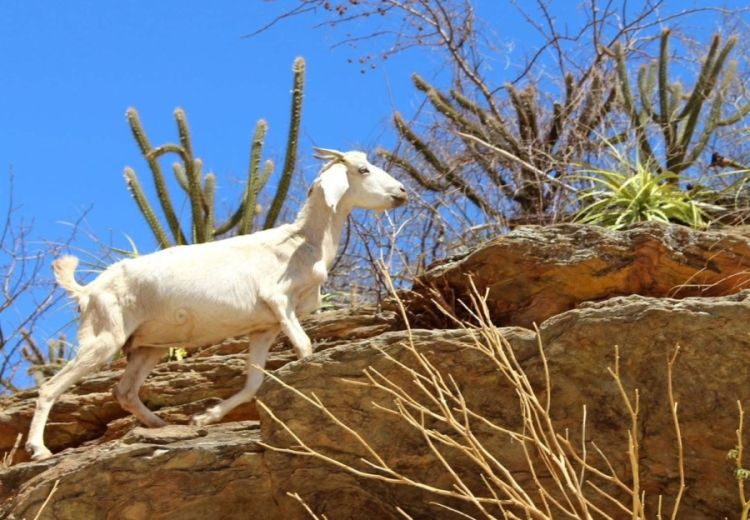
x: 402, y: 189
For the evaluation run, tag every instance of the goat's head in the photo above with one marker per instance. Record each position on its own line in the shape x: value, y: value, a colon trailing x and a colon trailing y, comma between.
x: 349, y: 178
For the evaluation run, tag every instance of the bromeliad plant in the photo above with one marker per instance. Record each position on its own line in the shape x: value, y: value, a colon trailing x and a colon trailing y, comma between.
x: 639, y: 193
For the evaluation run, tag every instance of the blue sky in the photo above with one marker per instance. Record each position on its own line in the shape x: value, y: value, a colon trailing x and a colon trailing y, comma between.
x: 69, y: 70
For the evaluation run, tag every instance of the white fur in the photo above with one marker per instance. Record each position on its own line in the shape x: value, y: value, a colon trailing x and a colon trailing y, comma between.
x: 188, y: 296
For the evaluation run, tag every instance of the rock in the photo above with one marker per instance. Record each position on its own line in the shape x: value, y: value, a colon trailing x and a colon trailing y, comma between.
x: 221, y: 471
x: 589, y: 289
x: 709, y: 381
x: 181, y: 472
x: 534, y: 273
x: 177, y: 390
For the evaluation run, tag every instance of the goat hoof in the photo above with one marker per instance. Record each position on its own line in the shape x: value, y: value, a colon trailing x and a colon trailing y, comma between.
x: 39, y: 452
x: 204, y: 419
x: 156, y: 423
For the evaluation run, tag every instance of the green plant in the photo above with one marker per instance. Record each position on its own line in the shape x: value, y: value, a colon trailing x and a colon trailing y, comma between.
x: 638, y: 193
x: 201, y: 189
x: 176, y: 354
x: 678, y: 114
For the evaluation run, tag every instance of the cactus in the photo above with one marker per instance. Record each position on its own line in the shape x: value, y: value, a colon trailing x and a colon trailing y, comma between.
x: 291, y: 150
x: 201, y: 189
x: 675, y: 113
x: 530, y: 138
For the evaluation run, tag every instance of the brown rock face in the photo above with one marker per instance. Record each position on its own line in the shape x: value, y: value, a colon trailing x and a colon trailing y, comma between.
x: 579, y: 345
x: 172, y: 472
x: 112, y: 469
x: 534, y: 273
x: 178, y: 390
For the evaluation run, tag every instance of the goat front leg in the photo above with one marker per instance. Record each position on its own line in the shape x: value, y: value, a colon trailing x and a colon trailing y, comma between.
x: 260, y: 343
x: 283, y: 310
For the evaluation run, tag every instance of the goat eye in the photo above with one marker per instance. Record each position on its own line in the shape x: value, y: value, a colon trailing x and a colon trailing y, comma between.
x: 363, y: 170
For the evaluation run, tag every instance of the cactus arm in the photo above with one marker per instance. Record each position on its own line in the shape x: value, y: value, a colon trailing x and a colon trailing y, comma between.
x: 412, y: 171
x: 419, y: 145
x: 184, y: 131
x: 702, y: 78
x: 290, y: 159
x: 197, y: 204
x: 496, y: 124
x: 268, y: 167
x: 663, y: 65
x: 237, y: 215
x: 164, y: 149
x: 704, y: 91
x: 529, y: 104
x: 443, y: 170
x: 161, y: 187
x: 253, y: 178
x: 524, y: 124
x: 209, y: 195
x: 743, y: 109
x: 622, y: 73
x: 629, y: 104
x: 737, y: 116
x: 646, y: 78
x: 193, y: 174
x: 148, y: 212
x: 179, y: 175
x: 443, y: 105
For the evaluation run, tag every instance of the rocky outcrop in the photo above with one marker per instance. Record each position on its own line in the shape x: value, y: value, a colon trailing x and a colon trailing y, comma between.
x: 534, y: 273
x: 173, y: 472
x: 224, y: 471
x: 709, y: 381
x: 177, y: 390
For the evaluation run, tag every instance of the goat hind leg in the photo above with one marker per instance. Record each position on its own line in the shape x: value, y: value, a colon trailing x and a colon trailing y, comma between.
x: 260, y: 343
x: 140, y: 363
x: 92, y: 354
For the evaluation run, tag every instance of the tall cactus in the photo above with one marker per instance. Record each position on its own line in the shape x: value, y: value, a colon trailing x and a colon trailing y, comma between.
x: 201, y: 189
x: 527, y: 139
x: 678, y: 114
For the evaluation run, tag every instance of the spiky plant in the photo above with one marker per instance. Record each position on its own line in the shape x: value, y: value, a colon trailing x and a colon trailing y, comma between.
x: 201, y: 189
x: 526, y: 141
x: 685, y: 120
x: 639, y: 193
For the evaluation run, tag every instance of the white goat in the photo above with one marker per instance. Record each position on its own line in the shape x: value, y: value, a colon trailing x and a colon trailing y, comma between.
x: 188, y: 296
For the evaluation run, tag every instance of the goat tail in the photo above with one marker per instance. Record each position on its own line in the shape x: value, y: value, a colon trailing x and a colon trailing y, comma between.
x: 65, y: 268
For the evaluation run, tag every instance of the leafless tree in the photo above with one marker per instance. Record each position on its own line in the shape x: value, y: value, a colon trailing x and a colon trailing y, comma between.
x: 28, y: 292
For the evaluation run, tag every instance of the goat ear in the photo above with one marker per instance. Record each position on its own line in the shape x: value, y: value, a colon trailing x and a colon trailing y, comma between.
x: 327, y: 154
x: 334, y: 182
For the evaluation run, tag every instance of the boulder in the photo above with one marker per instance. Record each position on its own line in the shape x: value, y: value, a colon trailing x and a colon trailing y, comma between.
x: 534, y: 273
